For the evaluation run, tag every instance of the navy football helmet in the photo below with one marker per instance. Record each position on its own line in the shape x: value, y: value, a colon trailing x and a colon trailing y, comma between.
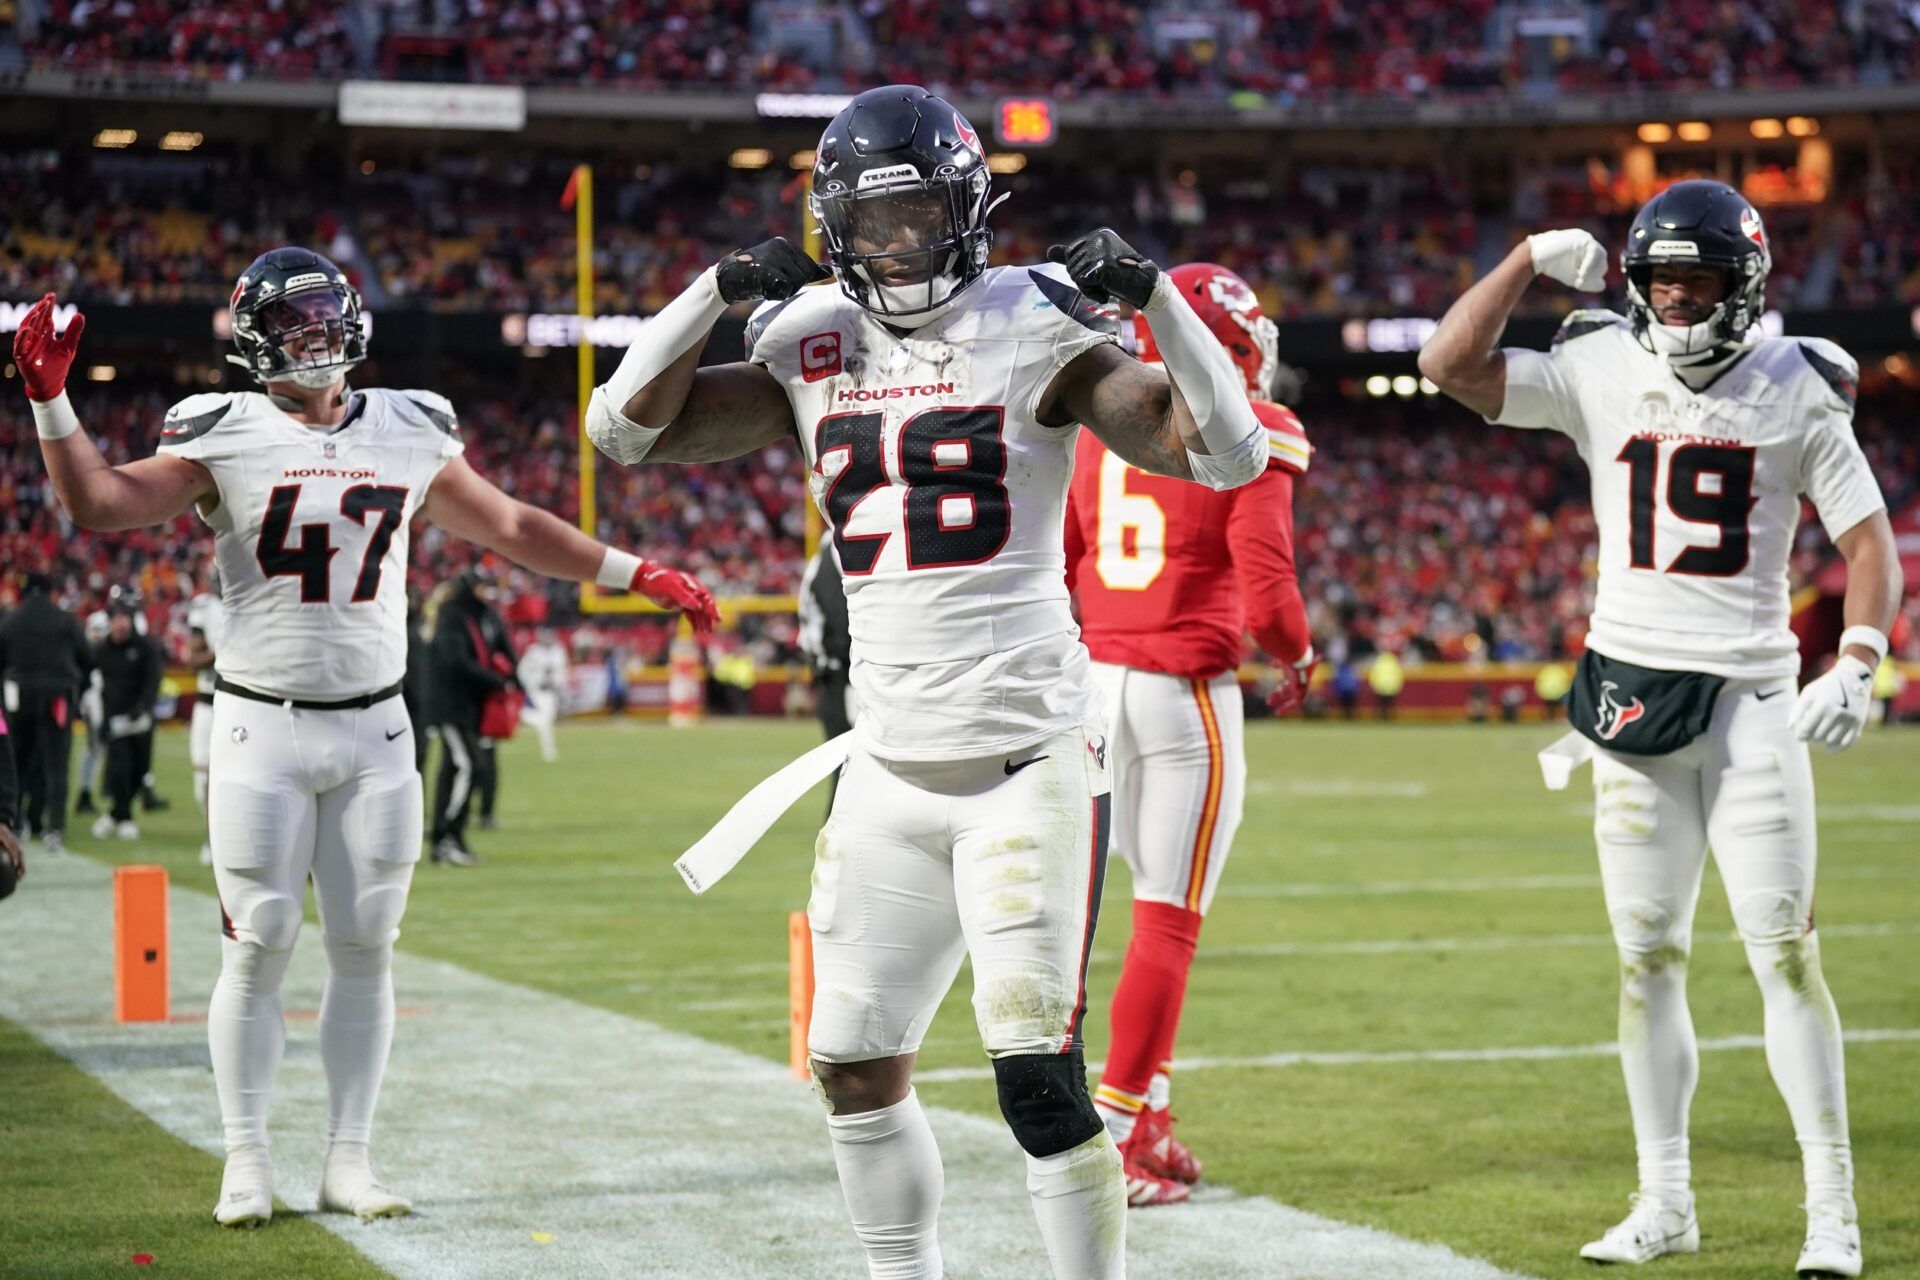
x: 1704, y: 223
x: 901, y: 189
x: 296, y: 318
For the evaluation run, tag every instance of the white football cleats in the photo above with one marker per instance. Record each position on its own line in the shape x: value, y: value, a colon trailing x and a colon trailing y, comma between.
x: 1832, y: 1248
x: 246, y: 1189
x: 1656, y: 1227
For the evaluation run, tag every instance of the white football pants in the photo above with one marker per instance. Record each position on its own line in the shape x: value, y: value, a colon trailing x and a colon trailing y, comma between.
x: 920, y: 865
x: 327, y: 794
x: 1179, y: 779
x: 542, y: 712
x: 1745, y: 789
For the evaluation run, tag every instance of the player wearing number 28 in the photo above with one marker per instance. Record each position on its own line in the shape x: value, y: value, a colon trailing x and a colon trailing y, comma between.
x: 1701, y: 435
x: 1169, y: 577
x: 308, y: 488
x: 938, y: 401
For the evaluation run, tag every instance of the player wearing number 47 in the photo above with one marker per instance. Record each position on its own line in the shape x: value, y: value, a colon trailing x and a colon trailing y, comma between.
x: 937, y: 401
x: 1701, y: 436
x: 308, y: 488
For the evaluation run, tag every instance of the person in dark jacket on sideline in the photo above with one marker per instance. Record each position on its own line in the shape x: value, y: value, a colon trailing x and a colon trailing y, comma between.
x: 44, y: 662
x: 461, y: 675
x: 130, y: 670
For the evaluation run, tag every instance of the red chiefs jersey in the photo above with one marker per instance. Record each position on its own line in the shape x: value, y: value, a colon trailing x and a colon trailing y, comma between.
x: 1170, y: 574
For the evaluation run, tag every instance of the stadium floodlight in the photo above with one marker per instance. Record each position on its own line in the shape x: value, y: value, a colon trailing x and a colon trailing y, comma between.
x: 181, y: 140
x: 101, y: 373
x: 1802, y: 126
x: 1005, y: 161
x: 1694, y: 131
x: 1765, y: 129
x: 750, y: 158
x: 802, y: 160
x: 115, y: 139
x: 1405, y: 385
x: 1654, y: 131
x: 1428, y: 387
x: 1379, y: 385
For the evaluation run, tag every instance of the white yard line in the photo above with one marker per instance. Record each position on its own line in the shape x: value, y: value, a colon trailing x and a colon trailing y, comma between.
x: 1397, y: 888
x: 1357, y: 1058
x: 1493, y: 942
x: 641, y: 1152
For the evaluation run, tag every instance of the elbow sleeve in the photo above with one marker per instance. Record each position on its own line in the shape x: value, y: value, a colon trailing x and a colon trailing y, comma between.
x: 1241, y: 464
x: 615, y: 434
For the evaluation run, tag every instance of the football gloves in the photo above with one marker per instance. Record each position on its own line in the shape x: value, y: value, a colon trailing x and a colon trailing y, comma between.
x: 1108, y: 268
x: 1833, y: 709
x: 1290, y: 695
x: 774, y: 270
x: 1572, y: 256
x: 43, y: 358
x: 672, y: 589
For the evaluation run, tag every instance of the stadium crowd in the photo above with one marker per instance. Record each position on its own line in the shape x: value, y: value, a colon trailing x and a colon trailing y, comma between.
x: 1283, y: 50
x: 1420, y: 530
x: 472, y: 234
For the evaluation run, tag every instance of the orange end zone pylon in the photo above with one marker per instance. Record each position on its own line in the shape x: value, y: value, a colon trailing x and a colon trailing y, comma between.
x: 140, y: 944
x: 799, y: 991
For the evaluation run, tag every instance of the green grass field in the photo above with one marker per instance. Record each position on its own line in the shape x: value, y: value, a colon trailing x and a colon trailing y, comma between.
x: 1393, y: 891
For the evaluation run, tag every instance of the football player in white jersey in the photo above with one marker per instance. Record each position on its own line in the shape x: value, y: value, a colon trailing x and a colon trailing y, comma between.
x: 543, y: 674
x: 308, y: 488
x: 936, y: 400
x: 205, y: 622
x: 1700, y: 436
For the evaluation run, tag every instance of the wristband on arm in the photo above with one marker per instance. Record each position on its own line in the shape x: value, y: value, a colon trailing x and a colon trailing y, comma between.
x: 54, y: 419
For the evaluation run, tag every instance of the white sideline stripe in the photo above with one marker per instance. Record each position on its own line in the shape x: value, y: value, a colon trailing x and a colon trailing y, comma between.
x: 644, y: 1152
x: 1517, y: 1053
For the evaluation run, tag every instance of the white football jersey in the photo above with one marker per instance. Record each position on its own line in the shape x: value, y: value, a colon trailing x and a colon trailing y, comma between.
x: 310, y: 533
x: 1696, y: 495
x: 544, y: 667
x: 946, y: 497
x: 205, y: 615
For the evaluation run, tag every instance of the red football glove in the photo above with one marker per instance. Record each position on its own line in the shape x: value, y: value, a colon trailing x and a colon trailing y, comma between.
x: 1290, y: 695
x: 44, y: 359
x: 673, y: 589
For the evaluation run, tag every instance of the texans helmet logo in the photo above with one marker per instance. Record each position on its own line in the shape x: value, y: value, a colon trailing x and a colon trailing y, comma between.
x: 1613, y: 716
x: 1750, y: 227
x: 967, y: 135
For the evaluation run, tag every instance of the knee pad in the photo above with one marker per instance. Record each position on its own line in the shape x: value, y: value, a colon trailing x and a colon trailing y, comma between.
x: 1023, y: 1006
x: 350, y: 959
x: 266, y: 920
x: 1044, y: 1099
x: 1626, y: 809
x: 1770, y: 918
x: 250, y: 967
x: 1645, y: 928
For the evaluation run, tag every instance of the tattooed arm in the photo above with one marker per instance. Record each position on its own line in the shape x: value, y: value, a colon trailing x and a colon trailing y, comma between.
x: 729, y: 410
x: 1133, y: 408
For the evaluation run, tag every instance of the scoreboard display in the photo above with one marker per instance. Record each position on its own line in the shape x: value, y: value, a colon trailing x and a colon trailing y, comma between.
x: 1025, y: 122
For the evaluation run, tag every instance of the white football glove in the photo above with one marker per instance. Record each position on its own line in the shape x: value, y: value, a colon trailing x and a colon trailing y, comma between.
x: 1572, y: 256
x: 1833, y: 709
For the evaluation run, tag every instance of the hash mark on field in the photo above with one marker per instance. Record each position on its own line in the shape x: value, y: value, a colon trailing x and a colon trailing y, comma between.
x: 1359, y: 1058
x: 637, y: 1150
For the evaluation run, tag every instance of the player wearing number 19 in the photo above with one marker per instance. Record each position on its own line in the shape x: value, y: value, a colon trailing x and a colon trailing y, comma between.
x: 1701, y: 435
x: 308, y: 489
x: 937, y: 400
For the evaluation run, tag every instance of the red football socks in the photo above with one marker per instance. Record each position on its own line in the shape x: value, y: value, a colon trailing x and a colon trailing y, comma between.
x: 1146, y: 1004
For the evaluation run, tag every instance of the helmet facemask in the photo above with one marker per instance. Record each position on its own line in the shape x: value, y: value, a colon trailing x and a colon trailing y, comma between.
x: 904, y: 250
x: 310, y: 337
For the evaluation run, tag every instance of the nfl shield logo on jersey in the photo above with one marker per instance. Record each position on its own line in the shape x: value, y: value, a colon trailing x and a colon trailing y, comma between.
x: 328, y: 448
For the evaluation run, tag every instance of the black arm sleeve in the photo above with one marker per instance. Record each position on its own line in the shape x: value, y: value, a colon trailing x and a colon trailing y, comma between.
x: 156, y: 668
x: 82, y: 651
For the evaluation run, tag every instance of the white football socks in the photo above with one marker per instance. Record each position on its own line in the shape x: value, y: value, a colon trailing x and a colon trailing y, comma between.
x: 1808, y: 1062
x: 1661, y: 1061
x: 1080, y: 1202
x: 356, y: 1032
x: 891, y: 1176
x: 245, y: 1034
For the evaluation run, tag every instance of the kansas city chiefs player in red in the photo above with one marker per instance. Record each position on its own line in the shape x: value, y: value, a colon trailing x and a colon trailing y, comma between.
x: 1169, y: 577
